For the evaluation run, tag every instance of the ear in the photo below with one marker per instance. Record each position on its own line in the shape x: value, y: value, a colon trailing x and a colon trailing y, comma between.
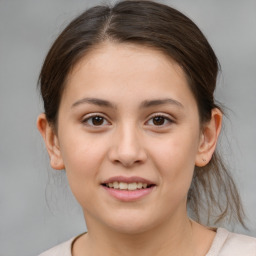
x: 51, y: 142
x: 208, y: 138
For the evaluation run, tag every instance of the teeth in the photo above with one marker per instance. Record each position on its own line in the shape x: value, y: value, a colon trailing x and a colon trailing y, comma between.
x: 116, y: 184
x: 126, y: 186
x: 139, y: 185
x: 132, y: 186
x: 123, y: 185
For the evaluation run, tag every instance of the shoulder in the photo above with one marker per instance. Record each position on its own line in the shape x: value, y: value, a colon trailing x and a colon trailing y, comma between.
x: 63, y: 249
x: 232, y: 244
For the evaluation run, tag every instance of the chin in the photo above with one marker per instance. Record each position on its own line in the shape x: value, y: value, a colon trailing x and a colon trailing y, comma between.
x: 131, y: 223
x: 130, y: 228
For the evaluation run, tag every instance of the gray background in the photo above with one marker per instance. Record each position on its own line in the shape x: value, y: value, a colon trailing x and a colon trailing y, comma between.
x: 37, y: 210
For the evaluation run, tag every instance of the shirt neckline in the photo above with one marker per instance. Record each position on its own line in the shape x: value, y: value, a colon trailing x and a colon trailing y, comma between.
x: 217, y: 244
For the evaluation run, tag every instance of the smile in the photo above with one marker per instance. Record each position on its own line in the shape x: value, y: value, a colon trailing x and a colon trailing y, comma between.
x: 127, y: 186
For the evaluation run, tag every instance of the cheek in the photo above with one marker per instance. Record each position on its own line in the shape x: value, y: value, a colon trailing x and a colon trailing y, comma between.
x: 81, y: 152
x: 82, y: 158
x: 175, y: 157
x: 175, y: 151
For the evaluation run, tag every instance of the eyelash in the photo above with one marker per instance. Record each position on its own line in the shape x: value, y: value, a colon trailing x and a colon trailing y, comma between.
x: 89, y: 119
x: 167, y: 120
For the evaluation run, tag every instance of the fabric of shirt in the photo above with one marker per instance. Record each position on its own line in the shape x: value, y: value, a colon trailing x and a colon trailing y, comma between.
x: 225, y: 243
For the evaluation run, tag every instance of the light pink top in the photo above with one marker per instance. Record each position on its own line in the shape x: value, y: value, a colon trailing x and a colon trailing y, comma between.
x: 224, y: 244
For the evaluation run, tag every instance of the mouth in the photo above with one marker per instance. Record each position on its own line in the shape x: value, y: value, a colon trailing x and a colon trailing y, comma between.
x: 127, y: 186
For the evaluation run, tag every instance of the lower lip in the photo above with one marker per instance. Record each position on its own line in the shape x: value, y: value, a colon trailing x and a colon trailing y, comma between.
x: 129, y: 195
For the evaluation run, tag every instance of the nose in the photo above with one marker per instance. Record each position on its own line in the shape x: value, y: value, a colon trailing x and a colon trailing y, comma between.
x: 127, y: 147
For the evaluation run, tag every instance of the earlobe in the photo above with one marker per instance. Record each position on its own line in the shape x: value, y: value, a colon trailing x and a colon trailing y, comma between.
x: 209, y: 138
x: 51, y: 142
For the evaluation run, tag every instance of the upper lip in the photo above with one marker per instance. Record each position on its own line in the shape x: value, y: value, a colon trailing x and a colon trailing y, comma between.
x: 131, y: 179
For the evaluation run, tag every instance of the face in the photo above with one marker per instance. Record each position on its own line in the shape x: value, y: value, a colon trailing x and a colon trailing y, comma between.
x: 128, y: 137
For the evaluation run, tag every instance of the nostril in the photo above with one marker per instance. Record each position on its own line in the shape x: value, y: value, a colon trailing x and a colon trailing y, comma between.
x: 127, y: 150
x: 126, y: 162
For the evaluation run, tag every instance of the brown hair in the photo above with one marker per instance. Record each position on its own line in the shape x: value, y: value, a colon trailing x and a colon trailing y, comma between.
x: 166, y: 29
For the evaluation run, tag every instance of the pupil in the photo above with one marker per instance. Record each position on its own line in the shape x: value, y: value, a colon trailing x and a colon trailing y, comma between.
x: 158, y: 120
x: 97, y: 120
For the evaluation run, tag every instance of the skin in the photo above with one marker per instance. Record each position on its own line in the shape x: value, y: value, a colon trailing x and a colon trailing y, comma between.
x: 129, y: 142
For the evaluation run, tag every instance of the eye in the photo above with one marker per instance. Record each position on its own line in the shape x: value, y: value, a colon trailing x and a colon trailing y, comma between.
x: 95, y: 120
x: 159, y: 120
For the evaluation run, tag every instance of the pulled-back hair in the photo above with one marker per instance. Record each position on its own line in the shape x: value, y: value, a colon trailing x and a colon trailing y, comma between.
x: 212, y: 192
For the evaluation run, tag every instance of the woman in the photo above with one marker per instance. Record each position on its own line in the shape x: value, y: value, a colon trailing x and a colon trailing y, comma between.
x: 130, y: 115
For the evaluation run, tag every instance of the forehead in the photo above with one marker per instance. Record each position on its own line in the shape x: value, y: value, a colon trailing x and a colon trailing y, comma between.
x: 115, y: 67
x: 109, y: 55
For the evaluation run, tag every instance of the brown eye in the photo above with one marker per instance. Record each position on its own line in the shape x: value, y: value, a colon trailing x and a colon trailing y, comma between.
x: 158, y: 120
x: 97, y: 120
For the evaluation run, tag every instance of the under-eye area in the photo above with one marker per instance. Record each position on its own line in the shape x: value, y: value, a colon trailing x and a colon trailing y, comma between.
x: 128, y: 186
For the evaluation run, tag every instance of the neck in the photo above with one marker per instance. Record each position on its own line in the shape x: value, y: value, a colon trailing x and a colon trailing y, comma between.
x: 170, y: 238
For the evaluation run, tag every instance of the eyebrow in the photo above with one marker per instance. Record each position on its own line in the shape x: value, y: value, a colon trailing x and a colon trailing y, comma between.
x: 94, y: 101
x: 157, y: 102
x: 144, y: 104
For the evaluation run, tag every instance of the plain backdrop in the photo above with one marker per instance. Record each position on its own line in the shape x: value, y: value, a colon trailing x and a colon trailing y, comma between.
x: 37, y: 209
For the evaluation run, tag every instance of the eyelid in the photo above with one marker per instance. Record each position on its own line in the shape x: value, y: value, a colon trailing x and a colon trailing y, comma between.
x: 164, y: 115
x: 86, y: 117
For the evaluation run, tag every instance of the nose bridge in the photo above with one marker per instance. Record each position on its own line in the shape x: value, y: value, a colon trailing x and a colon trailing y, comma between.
x: 128, y: 147
x: 128, y: 140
